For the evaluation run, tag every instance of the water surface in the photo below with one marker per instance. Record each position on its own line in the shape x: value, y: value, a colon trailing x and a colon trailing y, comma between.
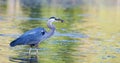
x: 90, y: 33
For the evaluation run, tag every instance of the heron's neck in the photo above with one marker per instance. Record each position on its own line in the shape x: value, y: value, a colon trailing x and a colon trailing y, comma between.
x: 51, y: 27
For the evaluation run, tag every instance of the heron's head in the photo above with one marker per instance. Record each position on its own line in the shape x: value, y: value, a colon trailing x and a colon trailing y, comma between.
x: 53, y: 19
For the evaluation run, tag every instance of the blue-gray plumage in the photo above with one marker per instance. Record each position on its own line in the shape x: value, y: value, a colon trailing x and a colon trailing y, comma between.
x: 35, y: 36
x: 30, y: 37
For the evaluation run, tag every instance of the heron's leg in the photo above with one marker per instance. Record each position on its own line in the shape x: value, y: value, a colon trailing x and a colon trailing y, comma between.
x: 30, y: 51
x: 31, y: 45
x: 36, y: 48
x: 37, y: 51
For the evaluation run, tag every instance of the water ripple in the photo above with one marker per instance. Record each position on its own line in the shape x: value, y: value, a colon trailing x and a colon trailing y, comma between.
x: 10, y: 35
x: 72, y: 35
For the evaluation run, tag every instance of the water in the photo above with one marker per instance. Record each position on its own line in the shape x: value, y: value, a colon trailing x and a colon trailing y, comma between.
x: 90, y: 33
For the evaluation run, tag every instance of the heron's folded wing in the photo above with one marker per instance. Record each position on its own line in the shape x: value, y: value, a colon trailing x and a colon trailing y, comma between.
x: 30, y: 37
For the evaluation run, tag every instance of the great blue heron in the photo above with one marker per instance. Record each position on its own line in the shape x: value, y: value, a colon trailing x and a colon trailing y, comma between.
x: 35, y: 36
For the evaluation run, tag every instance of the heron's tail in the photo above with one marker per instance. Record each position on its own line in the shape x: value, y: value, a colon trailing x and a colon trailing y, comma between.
x: 12, y: 44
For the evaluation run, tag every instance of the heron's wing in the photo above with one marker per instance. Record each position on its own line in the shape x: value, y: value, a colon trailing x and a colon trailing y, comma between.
x: 30, y: 37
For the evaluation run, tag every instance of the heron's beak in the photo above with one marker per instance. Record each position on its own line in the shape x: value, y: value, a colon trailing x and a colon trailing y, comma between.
x: 60, y: 20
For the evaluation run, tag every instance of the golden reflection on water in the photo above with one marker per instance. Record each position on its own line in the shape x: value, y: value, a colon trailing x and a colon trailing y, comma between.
x: 104, y: 30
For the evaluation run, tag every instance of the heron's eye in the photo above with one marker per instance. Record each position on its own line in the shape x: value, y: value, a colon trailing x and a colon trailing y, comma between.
x: 42, y: 32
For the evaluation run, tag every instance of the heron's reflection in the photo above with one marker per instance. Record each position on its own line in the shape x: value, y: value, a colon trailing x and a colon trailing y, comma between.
x: 25, y: 58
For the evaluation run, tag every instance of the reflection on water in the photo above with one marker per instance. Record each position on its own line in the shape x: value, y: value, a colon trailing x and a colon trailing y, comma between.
x: 90, y: 33
x: 30, y: 59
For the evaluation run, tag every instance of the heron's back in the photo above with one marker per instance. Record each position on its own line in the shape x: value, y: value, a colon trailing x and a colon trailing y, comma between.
x: 33, y: 36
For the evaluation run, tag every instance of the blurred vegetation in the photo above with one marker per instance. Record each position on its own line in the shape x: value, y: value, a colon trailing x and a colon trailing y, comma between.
x: 3, y: 6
